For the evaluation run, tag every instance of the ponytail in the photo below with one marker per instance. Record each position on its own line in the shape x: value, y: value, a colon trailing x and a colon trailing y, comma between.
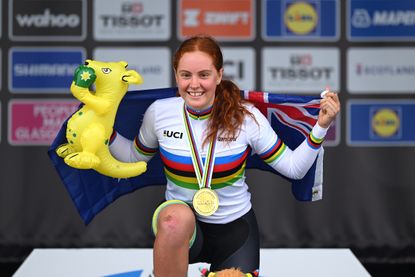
x: 228, y: 111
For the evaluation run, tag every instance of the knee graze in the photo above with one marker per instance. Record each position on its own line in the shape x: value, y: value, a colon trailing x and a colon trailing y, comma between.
x: 176, y: 219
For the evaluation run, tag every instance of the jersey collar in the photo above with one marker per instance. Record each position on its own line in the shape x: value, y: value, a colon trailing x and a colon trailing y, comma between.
x: 199, y: 114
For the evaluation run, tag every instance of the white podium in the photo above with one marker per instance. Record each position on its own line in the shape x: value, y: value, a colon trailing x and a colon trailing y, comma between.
x: 114, y: 262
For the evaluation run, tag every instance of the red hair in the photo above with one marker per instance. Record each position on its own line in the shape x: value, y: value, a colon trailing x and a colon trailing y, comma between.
x: 228, y: 111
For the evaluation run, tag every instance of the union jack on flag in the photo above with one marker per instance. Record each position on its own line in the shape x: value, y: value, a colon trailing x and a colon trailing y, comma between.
x: 291, y: 116
x: 296, y: 112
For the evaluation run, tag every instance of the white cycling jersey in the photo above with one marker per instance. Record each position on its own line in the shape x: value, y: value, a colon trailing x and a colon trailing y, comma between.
x: 163, y: 130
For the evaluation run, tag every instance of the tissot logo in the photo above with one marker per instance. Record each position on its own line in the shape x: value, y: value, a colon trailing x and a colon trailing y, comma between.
x: 301, y: 68
x: 131, y: 20
x: 305, y: 69
x: 132, y: 15
x: 314, y: 73
x: 47, y: 20
x: 173, y: 134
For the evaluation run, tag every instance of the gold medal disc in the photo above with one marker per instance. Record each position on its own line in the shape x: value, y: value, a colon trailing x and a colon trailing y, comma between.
x: 205, y: 201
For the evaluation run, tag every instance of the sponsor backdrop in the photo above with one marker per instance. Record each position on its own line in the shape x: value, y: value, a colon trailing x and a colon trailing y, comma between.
x: 364, y: 49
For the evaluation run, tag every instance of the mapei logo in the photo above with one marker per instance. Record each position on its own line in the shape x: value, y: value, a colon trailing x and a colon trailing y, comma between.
x: 301, y: 18
x: 361, y: 18
x: 381, y: 20
x: 173, y: 134
x: 47, y: 20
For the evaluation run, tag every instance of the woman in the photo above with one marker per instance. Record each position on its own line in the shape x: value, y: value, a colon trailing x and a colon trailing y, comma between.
x: 204, y: 138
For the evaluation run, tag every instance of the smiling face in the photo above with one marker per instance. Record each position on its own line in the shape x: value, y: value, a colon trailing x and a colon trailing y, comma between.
x: 197, y: 78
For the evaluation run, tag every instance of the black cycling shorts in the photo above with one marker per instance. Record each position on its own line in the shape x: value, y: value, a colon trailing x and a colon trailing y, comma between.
x: 234, y: 244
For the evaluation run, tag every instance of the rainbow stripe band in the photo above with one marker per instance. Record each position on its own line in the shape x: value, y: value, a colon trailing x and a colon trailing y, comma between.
x: 226, y: 171
x: 200, y: 115
x: 203, y: 171
x: 216, y: 183
x: 142, y: 149
x: 197, y: 160
x: 276, y: 150
x: 314, y: 142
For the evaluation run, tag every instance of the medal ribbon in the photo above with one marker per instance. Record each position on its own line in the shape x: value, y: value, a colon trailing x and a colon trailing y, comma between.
x: 204, y: 171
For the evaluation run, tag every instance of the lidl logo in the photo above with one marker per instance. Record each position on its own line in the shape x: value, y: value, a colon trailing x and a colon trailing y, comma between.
x: 375, y: 122
x: 386, y: 122
x: 301, y: 18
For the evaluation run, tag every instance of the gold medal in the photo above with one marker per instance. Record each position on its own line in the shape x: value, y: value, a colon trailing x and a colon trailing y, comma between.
x: 205, y: 201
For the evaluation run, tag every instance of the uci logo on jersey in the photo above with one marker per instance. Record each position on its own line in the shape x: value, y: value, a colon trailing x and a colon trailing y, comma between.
x: 172, y: 134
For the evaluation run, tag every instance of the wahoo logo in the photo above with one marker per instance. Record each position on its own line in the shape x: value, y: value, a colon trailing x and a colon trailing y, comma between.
x: 48, y: 20
x: 172, y: 134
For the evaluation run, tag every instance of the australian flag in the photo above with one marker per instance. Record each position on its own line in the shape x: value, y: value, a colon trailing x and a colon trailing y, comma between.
x: 291, y: 116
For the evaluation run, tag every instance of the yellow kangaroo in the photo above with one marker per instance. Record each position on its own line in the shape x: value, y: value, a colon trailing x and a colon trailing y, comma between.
x: 89, y: 129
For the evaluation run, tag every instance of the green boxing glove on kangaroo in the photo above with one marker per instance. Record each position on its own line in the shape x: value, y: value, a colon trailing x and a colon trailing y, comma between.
x: 84, y: 76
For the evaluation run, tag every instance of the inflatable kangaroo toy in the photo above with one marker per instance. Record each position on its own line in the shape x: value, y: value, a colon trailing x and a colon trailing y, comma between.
x: 89, y: 129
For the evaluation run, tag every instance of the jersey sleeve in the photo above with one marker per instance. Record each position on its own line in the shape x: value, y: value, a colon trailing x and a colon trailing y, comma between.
x: 292, y: 163
x: 143, y: 147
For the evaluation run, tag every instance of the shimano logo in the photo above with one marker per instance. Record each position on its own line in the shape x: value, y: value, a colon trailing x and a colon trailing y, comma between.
x: 48, y: 19
x: 43, y: 69
x: 362, y: 19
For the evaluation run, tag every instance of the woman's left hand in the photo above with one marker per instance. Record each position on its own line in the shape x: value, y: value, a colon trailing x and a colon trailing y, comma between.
x: 329, y: 108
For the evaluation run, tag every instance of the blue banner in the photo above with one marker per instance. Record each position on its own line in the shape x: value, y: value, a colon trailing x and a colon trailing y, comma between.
x: 301, y: 20
x: 43, y: 69
x: 381, y: 122
x: 372, y: 20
